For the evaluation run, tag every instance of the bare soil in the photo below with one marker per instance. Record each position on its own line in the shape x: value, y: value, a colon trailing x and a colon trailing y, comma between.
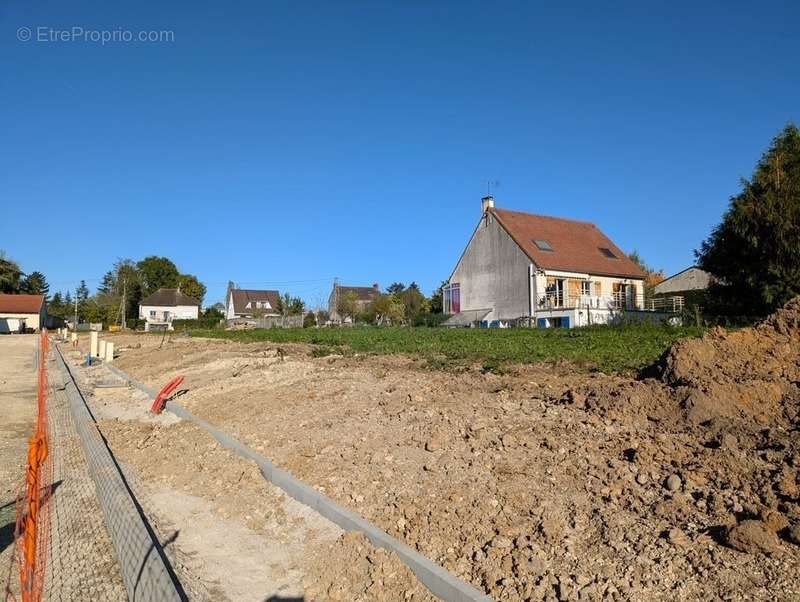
x: 229, y: 534
x: 541, y: 483
x: 17, y: 421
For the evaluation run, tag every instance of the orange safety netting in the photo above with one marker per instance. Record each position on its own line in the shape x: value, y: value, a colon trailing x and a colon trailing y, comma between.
x: 33, y: 524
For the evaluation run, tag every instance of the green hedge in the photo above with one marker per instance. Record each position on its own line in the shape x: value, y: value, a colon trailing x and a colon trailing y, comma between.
x: 208, y: 323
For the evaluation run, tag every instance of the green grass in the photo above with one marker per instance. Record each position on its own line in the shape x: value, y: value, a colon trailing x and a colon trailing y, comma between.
x: 623, y: 349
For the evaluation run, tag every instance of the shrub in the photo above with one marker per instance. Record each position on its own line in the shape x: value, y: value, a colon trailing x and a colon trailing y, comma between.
x: 210, y: 323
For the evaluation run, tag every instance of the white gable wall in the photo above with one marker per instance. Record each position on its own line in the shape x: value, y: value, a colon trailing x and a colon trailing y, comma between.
x: 493, y: 274
x: 176, y: 312
x: 230, y: 314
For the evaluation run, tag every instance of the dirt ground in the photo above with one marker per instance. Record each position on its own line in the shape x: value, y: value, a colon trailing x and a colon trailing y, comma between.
x: 228, y: 533
x: 17, y: 421
x: 542, y: 483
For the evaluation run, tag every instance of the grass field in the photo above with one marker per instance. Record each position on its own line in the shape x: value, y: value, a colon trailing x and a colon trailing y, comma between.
x: 623, y: 349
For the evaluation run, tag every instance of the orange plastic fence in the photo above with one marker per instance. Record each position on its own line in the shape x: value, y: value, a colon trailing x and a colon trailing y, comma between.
x: 33, y: 521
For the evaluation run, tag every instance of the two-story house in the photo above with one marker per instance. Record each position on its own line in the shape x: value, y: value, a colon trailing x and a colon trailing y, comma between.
x: 165, y: 305
x: 251, y: 303
x: 549, y: 271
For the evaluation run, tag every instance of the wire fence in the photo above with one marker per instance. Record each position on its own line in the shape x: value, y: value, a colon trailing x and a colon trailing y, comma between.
x: 143, y: 566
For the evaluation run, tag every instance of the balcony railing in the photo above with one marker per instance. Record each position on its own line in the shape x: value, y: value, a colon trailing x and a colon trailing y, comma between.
x: 160, y: 317
x: 613, y: 302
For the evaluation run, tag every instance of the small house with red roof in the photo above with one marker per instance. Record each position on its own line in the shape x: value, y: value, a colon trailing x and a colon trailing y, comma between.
x: 548, y: 271
x: 22, y: 313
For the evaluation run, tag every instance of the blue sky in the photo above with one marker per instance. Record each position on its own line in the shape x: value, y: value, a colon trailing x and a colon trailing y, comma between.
x: 281, y: 144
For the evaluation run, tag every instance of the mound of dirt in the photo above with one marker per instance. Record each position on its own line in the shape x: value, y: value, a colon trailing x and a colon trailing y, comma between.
x: 751, y: 374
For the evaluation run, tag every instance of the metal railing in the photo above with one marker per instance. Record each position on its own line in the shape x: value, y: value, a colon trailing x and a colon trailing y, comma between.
x: 671, y: 305
x: 164, y: 317
x: 613, y: 302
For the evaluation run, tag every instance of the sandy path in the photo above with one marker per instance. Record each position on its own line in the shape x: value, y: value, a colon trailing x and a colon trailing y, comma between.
x: 17, y: 418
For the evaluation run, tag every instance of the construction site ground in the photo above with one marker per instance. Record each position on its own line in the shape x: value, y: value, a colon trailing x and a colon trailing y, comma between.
x: 17, y: 421
x: 78, y: 560
x: 545, y: 482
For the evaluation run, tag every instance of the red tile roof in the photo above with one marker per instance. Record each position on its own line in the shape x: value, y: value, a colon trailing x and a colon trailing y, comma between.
x: 576, y: 245
x: 21, y: 304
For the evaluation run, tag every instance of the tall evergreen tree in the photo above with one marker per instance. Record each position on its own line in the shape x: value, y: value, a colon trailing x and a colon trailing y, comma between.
x: 82, y: 292
x: 754, y: 251
x: 107, y: 284
x: 35, y: 284
x: 56, y: 305
x: 10, y: 274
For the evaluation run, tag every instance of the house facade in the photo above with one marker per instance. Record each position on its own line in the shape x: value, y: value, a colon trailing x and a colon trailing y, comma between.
x: 250, y: 303
x: 165, y: 305
x: 547, y: 271
x: 20, y: 313
x: 362, y: 295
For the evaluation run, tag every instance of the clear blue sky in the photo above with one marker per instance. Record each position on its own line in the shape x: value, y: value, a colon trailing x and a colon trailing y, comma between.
x: 284, y: 143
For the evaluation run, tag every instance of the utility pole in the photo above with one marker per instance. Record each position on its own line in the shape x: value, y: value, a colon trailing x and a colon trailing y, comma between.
x: 124, y: 301
x: 76, y: 311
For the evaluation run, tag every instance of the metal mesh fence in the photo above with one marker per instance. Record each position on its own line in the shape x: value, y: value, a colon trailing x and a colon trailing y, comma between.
x: 143, y: 568
x: 82, y: 563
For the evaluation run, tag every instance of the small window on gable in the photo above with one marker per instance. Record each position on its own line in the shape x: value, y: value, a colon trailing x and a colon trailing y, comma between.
x: 543, y: 245
x: 607, y: 252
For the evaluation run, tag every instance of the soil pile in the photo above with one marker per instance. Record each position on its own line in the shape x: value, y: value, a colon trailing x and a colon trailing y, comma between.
x: 750, y: 375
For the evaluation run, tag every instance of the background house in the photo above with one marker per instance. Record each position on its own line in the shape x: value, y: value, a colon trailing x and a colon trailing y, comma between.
x: 549, y: 270
x: 19, y: 313
x: 362, y: 296
x: 690, y: 279
x: 690, y: 285
x: 165, y: 305
x: 251, y: 303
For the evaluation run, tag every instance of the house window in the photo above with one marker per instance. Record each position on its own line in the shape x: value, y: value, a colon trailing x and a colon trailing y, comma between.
x: 451, y: 298
x: 586, y: 288
x: 153, y: 313
x: 607, y: 252
x: 543, y: 245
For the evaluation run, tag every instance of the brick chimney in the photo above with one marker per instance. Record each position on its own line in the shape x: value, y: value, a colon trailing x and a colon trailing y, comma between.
x: 487, y: 203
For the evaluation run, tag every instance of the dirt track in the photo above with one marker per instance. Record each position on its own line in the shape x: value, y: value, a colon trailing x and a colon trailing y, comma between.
x: 17, y: 421
x: 545, y: 483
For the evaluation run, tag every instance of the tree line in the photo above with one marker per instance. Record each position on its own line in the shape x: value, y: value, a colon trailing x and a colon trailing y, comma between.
x: 400, y: 304
x: 122, y: 288
x: 14, y: 281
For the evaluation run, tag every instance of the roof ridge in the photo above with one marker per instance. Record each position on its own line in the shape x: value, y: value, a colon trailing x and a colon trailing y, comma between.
x: 556, y: 217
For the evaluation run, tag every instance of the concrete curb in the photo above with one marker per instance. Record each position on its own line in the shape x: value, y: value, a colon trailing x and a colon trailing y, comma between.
x: 146, y: 573
x: 440, y: 582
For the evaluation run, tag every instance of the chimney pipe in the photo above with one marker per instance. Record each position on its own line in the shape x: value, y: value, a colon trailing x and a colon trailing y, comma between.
x: 487, y: 203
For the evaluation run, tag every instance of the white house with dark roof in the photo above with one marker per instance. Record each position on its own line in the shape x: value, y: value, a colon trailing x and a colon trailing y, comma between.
x: 251, y: 303
x: 553, y: 272
x: 165, y: 305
